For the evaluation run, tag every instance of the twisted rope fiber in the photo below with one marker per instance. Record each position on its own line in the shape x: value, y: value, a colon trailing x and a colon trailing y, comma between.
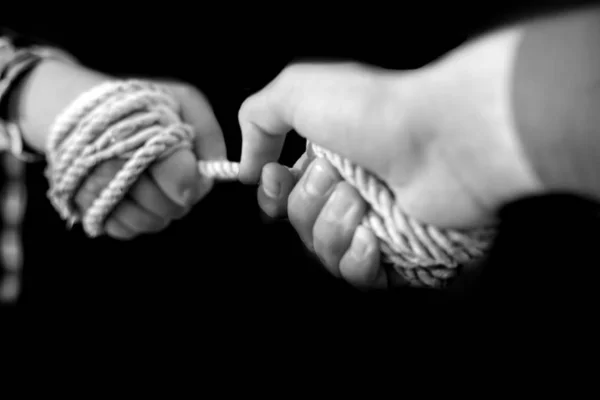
x: 140, y: 122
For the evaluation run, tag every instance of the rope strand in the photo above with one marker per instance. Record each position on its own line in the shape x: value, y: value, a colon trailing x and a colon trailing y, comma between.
x: 139, y: 121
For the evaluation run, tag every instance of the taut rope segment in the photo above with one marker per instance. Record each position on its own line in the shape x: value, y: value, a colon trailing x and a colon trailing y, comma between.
x: 140, y: 122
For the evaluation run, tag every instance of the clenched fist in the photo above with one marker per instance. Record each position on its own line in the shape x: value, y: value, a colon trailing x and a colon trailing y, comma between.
x: 167, y: 190
x: 441, y: 137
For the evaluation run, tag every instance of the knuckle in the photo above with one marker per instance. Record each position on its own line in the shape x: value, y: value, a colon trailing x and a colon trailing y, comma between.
x: 289, y: 71
x: 327, y: 244
x: 342, y: 208
x: 296, y: 212
x: 355, y: 270
x: 243, y: 110
x: 361, y: 266
x: 185, y: 88
x: 325, y: 237
x: 187, y: 91
x: 293, y: 69
x: 177, y: 86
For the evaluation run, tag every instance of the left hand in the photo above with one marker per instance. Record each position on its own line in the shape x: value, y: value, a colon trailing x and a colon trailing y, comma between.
x: 325, y: 211
x: 167, y: 190
x: 170, y: 187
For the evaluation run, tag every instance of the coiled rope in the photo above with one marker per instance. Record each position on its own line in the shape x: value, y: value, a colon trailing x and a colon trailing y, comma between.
x: 140, y: 122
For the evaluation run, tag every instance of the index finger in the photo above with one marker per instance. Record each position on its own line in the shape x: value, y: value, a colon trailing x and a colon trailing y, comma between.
x: 263, y: 133
x: 331, y: 105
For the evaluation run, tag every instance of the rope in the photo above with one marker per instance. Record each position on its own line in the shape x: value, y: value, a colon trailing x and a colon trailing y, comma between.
x: 140, y: 123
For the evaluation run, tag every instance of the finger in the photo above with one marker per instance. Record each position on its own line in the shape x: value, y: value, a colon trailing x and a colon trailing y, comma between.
x: 209, y: 143
x: 98, y: 179
x: 276, y: 184
x: 309, y: 196
x: 360, y: 266
x: 136, y: 219
x: 301, y: 165
x: 335, y: 225
x: 265, y: 120
x: 148, y: 196
x: 117, y: 230
x: 258, y: 149
x: 178, y: 177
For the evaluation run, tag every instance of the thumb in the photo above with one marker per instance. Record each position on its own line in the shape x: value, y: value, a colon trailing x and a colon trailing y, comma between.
x: 179, y: 179
x: 337, y: 106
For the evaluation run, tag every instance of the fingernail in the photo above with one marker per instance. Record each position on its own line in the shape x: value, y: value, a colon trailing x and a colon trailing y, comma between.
x: 361, y: 245
x: 271, y: 188
x: 319, y: 180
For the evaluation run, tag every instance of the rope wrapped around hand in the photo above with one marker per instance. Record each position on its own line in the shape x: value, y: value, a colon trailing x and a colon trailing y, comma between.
x: 140, y: 122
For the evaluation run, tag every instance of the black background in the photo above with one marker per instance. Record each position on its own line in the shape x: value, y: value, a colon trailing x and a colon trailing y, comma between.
x: 223, y: 261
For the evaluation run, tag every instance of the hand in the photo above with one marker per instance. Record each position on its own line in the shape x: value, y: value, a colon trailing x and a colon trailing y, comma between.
x: 325, y: 211
x: 167, y: 190
x: 441, y: 137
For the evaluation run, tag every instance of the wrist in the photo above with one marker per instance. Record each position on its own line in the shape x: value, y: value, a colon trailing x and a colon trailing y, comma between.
x: 467, y: 110
x: 43, y: 93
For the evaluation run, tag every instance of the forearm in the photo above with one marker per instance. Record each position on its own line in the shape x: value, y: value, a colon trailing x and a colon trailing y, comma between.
x: 37, y: 80
x: 44, y: 93
x: 524, y: 102
x: 556, y: 99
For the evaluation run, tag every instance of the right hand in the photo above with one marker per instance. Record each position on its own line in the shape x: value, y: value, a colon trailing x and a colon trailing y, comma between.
x: 441, y: 137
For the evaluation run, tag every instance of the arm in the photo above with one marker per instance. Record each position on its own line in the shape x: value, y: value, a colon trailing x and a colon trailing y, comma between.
x: 170, y: 186
x: 46, y: 91
x: 556, y: 99
x: 21, y: 57
x: 523, y: 102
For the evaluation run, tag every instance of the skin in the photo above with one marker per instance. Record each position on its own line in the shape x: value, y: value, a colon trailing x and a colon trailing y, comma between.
x: 166, y: 191
x: 507, y: 115
x: 325, y: 211
x: 442, y: 138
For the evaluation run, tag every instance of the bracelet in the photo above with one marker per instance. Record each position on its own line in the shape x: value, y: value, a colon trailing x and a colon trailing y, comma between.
x: 22, y: 61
